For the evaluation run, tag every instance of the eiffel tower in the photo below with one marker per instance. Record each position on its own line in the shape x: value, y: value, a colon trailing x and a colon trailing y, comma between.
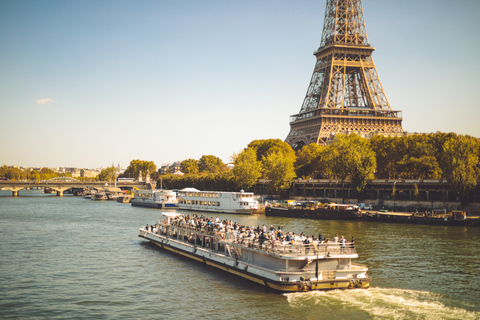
x: 345, y: 94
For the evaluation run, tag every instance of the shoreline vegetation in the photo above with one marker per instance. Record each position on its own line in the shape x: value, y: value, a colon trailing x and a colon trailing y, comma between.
x: 349, y: 158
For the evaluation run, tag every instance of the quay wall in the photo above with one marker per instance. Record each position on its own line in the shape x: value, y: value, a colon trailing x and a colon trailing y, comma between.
x: 423, y: 194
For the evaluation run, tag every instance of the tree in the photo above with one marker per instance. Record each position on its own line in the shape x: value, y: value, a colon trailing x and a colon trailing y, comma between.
x: 279, y: 169
x: 460, y: 163
x: 265, y: 147
x: 108, y: 174
x: 418, y: 158
x: 136, y: 166
x: 211, y: 164
x: 387, y: 153
x: 189, y: 166
x: 437, y: 141
x: 46, y: 174
x: 247, y: 169
x: 16, y: 174
x: 352, y: 156
x: 307, y: 160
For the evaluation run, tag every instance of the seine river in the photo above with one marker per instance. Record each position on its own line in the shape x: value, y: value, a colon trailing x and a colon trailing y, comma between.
x: 71, y: 258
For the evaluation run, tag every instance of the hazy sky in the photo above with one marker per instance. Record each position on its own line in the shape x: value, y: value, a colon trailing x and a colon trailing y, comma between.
x: 88, y: 83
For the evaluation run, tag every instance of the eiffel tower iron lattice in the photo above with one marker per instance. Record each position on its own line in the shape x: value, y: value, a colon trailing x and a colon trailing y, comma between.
x: 345, y: 94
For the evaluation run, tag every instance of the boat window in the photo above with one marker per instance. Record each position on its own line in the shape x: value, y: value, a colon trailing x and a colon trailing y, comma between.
x: 201, y: 203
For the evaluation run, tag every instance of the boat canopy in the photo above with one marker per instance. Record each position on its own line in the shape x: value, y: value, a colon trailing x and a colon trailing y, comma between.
x: 190, y: 190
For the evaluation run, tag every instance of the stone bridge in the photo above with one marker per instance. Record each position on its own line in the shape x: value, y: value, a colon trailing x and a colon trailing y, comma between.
x: 60, y: 184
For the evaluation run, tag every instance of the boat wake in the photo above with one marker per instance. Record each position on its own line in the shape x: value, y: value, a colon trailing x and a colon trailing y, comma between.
x: 384, y: 303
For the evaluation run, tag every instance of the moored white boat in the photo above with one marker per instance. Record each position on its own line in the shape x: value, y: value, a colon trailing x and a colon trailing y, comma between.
x: 160, y: 199
x: 217, y: 201
x: 99, y: 195
x: 276, y: 265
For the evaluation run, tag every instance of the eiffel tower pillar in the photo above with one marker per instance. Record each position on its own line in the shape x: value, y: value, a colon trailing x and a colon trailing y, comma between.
x: 345, y: 94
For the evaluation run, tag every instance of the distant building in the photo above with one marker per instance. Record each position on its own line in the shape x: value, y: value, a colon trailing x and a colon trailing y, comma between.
x: 87, y: 173
x: 170, y: 168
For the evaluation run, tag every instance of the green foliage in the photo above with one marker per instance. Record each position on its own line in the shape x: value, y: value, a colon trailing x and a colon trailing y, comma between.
x: 351, y: 155
x: 16, y: 174
x: 265, y: 147
x: 279, y: 169
x: 387, y: 153
x: 309, y: 162
x: 277, y: 158
x: 136, y: 166
x: 418, y: 158
x: 211, y: 164
x: 416, y: 193
x: 189, y: 166
x: 222, y: 181
x: 460, y: 164
x: 247, y: 169
x: 108, y: 174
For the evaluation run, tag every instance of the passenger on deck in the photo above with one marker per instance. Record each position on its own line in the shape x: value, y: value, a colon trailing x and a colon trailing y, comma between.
x: 343, y: 245
x: 307, y: 240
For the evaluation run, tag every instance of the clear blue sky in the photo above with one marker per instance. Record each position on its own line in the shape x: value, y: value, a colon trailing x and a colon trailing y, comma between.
x: 88, y: 83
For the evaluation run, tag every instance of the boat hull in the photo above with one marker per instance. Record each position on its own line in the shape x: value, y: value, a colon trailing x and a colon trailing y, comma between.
x: 415, y: 219
x: 124, y: 199
x: 153, y: 204
x: 240, y: 269
x: 215, y: 209
x: 320, y: 213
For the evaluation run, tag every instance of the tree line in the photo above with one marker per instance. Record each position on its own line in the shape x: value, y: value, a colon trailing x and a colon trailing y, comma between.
x: 14, y: 173
x: 348, y: 158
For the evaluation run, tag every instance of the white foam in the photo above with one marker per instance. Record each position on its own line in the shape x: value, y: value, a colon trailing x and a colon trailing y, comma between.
x: 385, y: 303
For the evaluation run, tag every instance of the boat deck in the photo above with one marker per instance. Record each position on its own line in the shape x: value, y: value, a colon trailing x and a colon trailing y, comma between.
x: 270, y: 247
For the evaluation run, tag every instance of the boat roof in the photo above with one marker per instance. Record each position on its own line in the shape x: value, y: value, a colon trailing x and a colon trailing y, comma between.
x: 113, y: 189
x: 171, y: 214
x: 189, y: 190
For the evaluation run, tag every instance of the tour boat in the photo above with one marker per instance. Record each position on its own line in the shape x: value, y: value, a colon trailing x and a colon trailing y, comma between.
x: 160, y: 199
x: 217, y: 201
x: 274, y: 264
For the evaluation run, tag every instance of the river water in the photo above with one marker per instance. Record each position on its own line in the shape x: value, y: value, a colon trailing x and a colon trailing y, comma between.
x: 71, y: 258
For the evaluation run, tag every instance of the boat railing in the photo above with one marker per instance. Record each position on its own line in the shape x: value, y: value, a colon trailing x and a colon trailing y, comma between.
x: 281, y: 249
x: 275, y: 247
